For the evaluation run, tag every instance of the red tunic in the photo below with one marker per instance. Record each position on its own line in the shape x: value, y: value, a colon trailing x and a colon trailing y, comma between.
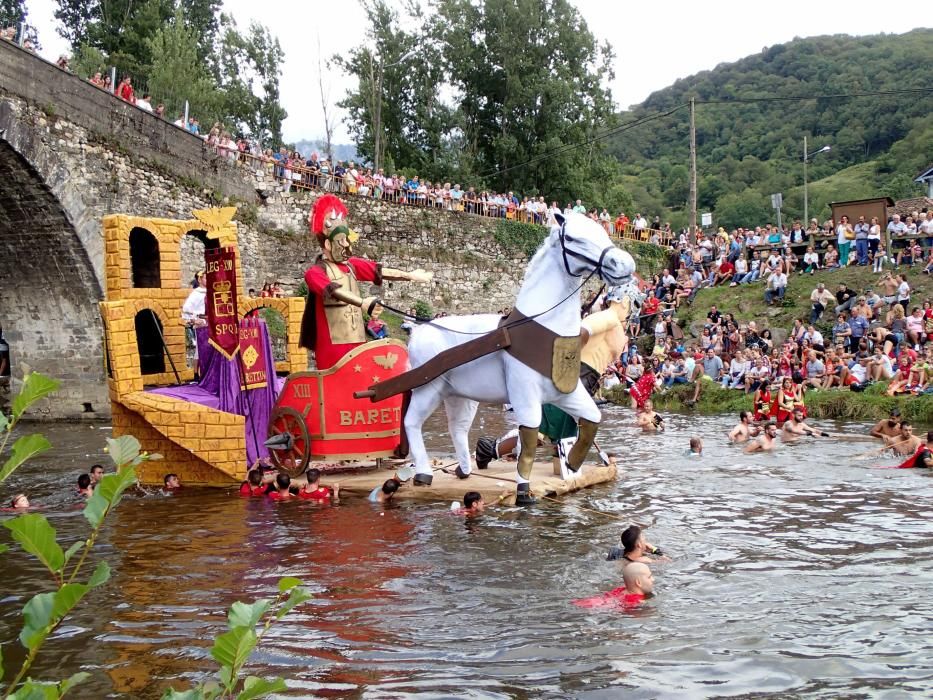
x: 321, y: 493
x: 326, y: 353
x: 616, y: 598
x: 642, y: 389
x: 247, y: 490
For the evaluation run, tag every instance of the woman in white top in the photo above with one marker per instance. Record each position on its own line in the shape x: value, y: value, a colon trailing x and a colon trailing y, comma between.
x: 874, y: 237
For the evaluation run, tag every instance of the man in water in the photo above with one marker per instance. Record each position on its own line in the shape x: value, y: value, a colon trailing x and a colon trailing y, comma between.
x: 696, y: 447
x: 765, y: 441
x: 639, y: 583
x: 384, y: 493
x: 313, y: 490
x: 796, y: 427
x: 283, y: 491
x: 905, y: 443
x: 97, y: 473
x: 171, y: 482
x: 84, y: 485
x: 634, y: 548
x: 891, y: 426
x: 922, y: 458
x: 648, y: 420
x: 473, y: 503
x: 744, y: 430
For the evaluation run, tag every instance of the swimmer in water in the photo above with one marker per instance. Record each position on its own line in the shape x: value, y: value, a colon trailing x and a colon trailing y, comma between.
x: 905, y: 443
x: 84, y: 485
x: 171, y: 482
x: 922, y: 458
x: 97, y: 473
x: 795, y: 427
x: 19, y: 502
x: 648, y: 420
x: 696, y: 447
x: 473, y: 503
x: 313, y: 490
x: 765, y: 441
x: 384, y: 493
x: 890, y: 426
x: 639, y: 582
x: 253, y: 484
x: 635, y: 548
x: 744, y: 431
x: 282, y: 492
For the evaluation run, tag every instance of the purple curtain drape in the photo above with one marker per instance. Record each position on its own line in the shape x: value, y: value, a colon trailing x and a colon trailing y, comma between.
x: 219, y: 387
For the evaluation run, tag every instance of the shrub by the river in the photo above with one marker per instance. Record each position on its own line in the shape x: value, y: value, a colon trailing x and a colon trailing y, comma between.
x: 46, y: 611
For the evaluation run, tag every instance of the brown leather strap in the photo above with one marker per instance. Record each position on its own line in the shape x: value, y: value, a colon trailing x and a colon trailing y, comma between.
x: 532, y: 344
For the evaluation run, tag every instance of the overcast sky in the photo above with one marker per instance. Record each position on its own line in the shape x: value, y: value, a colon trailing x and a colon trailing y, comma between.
x: 656, y: 42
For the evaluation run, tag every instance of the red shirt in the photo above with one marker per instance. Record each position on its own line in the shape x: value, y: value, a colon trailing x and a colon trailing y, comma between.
x: 327, y: 353
x: 651, y: 306
x: 321, y: 493
x: 276, y: 496
x: 616, y: 598
x: 726, y: 268
x: 247, y: 490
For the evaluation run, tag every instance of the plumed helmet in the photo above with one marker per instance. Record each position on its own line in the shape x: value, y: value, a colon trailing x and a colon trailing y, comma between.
x: 329, y: 217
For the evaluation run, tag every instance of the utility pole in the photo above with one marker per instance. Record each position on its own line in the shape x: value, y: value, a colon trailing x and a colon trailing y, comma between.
x: 693, y: 167
x: 806, y: 197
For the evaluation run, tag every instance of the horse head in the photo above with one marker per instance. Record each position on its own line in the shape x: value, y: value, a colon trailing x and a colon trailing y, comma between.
x: 587, y: 249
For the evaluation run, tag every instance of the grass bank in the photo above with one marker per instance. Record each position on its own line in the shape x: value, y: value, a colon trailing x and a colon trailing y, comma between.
x: 868, y: 405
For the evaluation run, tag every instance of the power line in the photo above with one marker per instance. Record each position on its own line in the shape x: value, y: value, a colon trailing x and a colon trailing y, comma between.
x: 592, y: 139
x: 799, y: 98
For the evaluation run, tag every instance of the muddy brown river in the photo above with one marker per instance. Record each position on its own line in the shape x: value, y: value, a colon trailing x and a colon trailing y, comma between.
x: 803, y: 573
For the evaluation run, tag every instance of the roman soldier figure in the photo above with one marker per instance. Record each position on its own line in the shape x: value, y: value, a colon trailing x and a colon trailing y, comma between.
x: 333, y: 320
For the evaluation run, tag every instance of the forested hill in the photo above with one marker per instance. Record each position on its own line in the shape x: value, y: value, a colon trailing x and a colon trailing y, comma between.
x: 745, y: 151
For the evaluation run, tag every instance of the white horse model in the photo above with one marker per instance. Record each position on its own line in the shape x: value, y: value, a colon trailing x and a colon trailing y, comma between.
x: 576, y: 249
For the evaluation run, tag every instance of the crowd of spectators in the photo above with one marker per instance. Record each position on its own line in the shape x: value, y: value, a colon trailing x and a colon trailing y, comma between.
x: 849, y: 339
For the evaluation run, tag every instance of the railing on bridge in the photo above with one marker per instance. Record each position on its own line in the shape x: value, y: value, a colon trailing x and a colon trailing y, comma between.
x: 308, y: 179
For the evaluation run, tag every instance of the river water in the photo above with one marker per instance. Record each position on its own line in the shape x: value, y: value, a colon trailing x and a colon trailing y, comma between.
x: 803, y: 573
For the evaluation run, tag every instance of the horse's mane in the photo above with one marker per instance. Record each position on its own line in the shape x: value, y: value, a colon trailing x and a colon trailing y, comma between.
x: 540, y: 253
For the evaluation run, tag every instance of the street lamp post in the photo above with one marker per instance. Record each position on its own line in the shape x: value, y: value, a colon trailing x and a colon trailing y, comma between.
x: 806, y: 193
x: 375, y: 81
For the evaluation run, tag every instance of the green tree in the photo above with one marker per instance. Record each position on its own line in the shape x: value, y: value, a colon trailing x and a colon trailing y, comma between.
x: 177, y: 74
x: 12, y: 12
x: 747, y: 208
x: 249, y: 67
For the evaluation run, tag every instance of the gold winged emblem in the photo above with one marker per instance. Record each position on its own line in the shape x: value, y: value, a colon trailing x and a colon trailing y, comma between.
x: 386, y: 361
x: 215, y: 218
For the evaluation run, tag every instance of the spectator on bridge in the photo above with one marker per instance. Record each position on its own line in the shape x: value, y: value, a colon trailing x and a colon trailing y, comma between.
x: 144, y: 103
x: 125, y: 90
x: 97, y: 80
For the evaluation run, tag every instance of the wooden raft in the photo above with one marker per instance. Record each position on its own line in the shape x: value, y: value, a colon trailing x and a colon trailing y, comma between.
x: 447, y: 487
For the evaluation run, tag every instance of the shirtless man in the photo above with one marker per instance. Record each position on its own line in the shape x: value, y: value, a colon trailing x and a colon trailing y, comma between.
x: 639, y: 582
x: 796, y: 427
x: 890, y: 426
x: 635, y: 548
x: 905, y: 443
x: 650, y: 421
x: 765, y: 441
x: 922, y: 458
x: 744, y: 431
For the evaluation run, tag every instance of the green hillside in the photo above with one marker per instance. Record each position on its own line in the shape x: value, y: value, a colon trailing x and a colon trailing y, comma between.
x: 746, y: 151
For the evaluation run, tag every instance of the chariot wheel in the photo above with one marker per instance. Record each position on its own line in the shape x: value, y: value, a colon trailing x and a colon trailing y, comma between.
x: 294, y: 454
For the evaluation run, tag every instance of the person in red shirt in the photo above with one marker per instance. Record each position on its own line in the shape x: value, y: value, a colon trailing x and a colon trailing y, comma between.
x: 253, y: 485
x: 639, y: 583
x: 283, y: 483
x: 333, y: 320
x: 724, y: 273
x: 125, y: 90
x: 313, y: 491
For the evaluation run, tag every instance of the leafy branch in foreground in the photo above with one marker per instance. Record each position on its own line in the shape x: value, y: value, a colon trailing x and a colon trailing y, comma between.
x: 233, y: 648
x: 35, y: 387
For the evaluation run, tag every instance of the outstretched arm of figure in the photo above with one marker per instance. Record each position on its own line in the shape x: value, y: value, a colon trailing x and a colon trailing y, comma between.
x: 349, y: 297
x: 389, y: 273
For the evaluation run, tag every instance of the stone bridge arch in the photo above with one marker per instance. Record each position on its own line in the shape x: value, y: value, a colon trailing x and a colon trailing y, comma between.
x: 48, y: 288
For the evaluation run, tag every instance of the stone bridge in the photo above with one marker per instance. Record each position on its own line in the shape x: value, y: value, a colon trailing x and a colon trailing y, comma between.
x: 71, y: 153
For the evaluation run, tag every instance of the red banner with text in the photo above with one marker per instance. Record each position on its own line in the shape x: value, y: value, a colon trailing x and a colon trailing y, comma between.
x: 253, y: 353
x: 220, y: 303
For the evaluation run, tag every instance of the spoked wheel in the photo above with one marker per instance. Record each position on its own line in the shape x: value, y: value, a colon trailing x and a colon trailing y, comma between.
x: 294, y: 452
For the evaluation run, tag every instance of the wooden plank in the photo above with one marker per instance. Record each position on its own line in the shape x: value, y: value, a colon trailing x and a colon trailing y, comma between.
x: 452, y: 357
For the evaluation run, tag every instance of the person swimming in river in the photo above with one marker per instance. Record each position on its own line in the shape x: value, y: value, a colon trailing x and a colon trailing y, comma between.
x: 922, y: 458
x: 253, y: 485
x: 890, y: 426
x: 639, y: 584
x: 313, y: 490
x: 282, y: 491
x: 744, y: 431
x: 648, y: 420
x: 766, y: 441
x: 385, y: 493
x: 171, y: 482
x: 696, y: 447
x: 795, y: 427
x: 905, y: 443
x: 84, y: 485
x: 634, y: 548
